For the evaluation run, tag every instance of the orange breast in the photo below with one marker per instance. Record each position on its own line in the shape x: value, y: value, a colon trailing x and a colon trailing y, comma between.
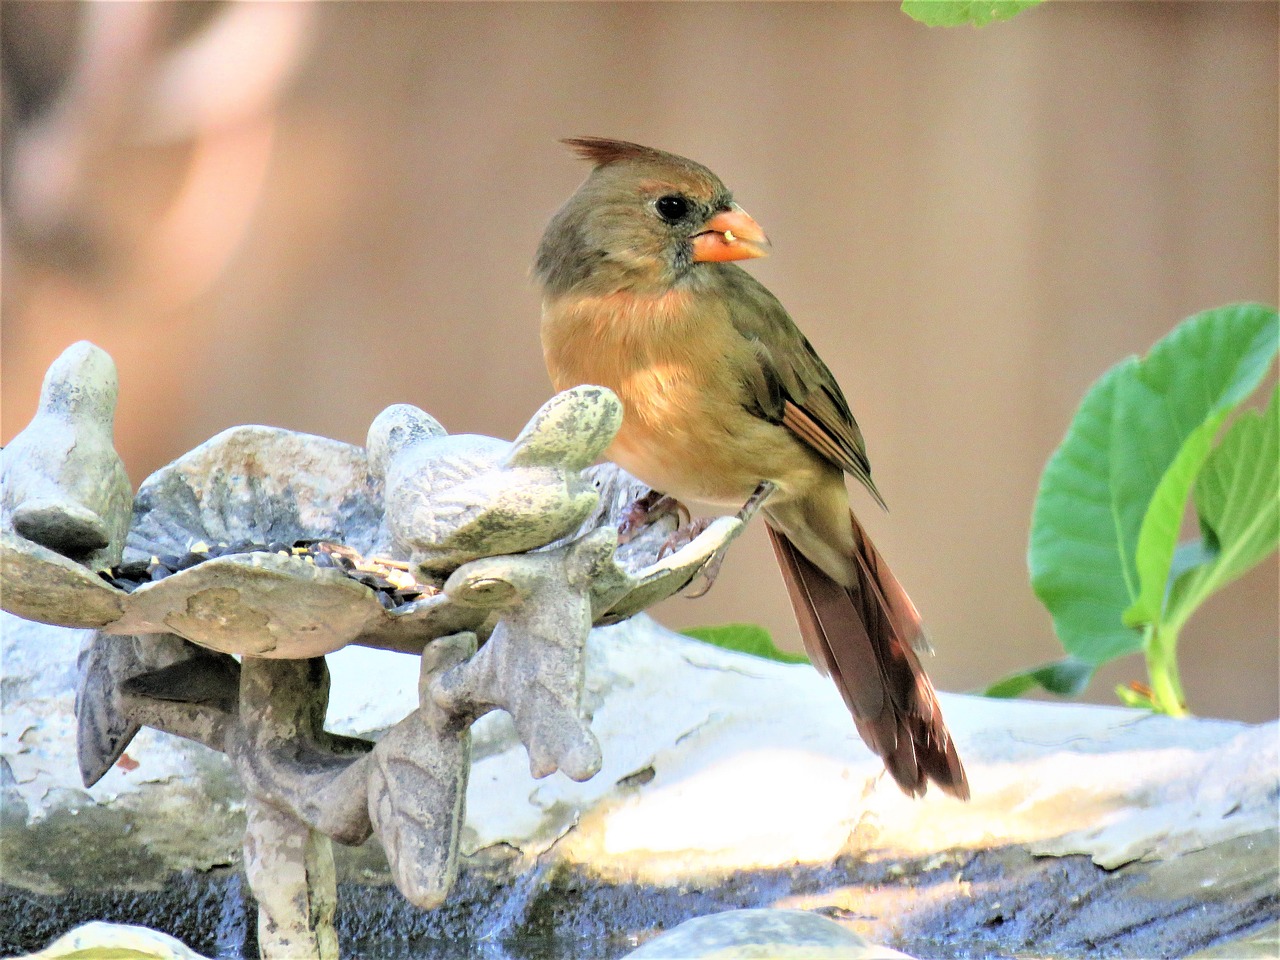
x: 685, y: 430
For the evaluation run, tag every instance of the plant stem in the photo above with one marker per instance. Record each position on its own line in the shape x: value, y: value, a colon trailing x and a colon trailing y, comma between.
x: 1161, y: 644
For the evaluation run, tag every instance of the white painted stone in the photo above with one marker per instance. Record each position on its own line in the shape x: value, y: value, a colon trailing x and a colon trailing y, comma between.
x: 754, y: 765
x: 117, y: 941
x: 762, y: 935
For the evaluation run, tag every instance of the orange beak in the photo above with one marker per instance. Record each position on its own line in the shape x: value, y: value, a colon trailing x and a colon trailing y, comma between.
x: 730, y: 235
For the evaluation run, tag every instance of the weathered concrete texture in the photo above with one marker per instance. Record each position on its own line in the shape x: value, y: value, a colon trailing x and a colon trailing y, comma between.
x: 62, y: 485
x: 290, y: 868
x: 418, y: 783
x: 208, y: 912
x: 257, y: 484
x: 555, y: 914
x: 1261, y: 945
x: 533, y: 665
x: 726, y: 782
x: 262, y: 484
x: 457, y: 498
x: 771, y: 934
x: 452, y: 507
x: 43, y: 585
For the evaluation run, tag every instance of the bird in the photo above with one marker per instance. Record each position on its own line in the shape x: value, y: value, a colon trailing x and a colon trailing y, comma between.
x: 725, y: 401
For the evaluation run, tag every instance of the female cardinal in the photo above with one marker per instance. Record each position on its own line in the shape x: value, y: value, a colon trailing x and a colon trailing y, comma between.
x: 725, y: 400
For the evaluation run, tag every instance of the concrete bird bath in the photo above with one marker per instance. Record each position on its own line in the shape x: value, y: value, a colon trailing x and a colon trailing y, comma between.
x: 501, y: 557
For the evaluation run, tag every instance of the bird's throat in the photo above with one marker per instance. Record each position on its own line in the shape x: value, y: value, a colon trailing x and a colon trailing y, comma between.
x: 602, y: 339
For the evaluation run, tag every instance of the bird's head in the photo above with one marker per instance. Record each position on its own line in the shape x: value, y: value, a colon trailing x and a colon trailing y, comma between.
x: 644, y: 219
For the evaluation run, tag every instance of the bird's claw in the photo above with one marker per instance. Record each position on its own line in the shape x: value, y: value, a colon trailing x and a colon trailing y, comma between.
x: 710, y: 570
x: 684, y: 535
x: 645, y: 510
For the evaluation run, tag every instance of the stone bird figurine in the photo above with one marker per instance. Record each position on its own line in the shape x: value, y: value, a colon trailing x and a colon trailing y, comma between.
x: 62, y: 485
x: 724, y: 399
x: 454, y: 498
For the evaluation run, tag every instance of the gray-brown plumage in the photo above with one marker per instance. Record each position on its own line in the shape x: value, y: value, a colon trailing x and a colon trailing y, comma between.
x: 722, y: 391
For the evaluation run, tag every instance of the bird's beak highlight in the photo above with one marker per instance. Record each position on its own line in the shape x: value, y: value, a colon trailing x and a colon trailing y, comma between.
x: 730, y: 235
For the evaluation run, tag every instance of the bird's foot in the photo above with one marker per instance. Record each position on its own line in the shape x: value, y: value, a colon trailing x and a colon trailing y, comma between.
x: 690, y: 529
x: 645, y: 510
x: 710, y: 570
x: 685, y: 535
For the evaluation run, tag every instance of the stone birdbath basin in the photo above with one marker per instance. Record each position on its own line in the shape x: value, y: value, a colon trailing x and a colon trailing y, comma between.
x: 218, y: 589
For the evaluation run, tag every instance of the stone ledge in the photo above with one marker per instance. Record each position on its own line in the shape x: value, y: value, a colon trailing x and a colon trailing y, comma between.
x: 727, y: 782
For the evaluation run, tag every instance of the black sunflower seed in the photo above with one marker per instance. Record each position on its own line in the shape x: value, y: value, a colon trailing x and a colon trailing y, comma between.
x: 134, y: 570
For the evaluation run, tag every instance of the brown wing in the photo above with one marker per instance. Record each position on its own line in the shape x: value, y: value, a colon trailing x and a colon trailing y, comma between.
x: 790, y: 384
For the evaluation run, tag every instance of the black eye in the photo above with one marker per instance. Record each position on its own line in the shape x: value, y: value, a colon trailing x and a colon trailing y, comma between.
x: 672, y: 208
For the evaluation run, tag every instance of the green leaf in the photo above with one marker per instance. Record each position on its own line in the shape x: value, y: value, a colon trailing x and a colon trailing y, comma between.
x: 1157, y: 540
x: 955, y: 13
x: 1074, y: 556
x: 1067, y: 678
x: 1111, y: 499
x: 1163, y: 427
x: 1192, y: 554
x: 1238, y: 500
x: 744, y: 638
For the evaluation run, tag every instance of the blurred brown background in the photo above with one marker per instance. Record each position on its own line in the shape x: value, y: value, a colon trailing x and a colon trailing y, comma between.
x: 295, y: 215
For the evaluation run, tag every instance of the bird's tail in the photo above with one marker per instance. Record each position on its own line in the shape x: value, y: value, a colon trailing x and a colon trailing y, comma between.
x: 862, y: 637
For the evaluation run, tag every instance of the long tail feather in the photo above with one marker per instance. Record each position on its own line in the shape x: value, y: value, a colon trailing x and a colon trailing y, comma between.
x: 863, y: 638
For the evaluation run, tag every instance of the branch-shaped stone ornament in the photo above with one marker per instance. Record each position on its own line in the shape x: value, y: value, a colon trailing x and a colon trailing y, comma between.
x: 512, y: 552
x: 291, y: 872
x: 126, y: 682
x: 286, y: 758
x: 534, y: 663
x: 418, y: 784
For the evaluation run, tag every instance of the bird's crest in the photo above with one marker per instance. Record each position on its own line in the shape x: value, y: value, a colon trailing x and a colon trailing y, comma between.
x: 602, y: 151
